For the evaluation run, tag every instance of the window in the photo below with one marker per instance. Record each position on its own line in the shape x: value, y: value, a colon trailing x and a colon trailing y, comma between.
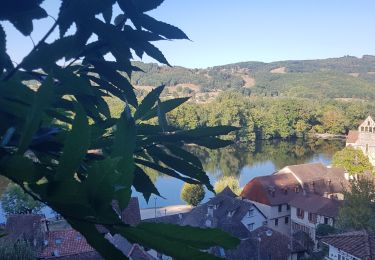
x: 280, y: 207
x: 58, y: 241
x: 250, y: 226
x: 286, y: 220
x: 326, y: 221
x: 366, y: 129
x: 276, y: 221
x: 287, y: 207
x: 368, y: 122
x: 362, y: 128
x: 251, y: 212
x: 311, y: 218
x: 300, y: 213
x: 370, y: 129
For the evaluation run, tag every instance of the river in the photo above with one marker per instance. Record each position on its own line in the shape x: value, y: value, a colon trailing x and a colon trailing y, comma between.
x: 245, y: 161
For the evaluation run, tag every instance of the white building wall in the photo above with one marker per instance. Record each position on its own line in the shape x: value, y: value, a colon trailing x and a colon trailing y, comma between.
x: 253, y: 220
x: 333, y: 254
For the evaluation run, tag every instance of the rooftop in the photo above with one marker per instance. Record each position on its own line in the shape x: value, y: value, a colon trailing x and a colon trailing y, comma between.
x: 360, y: 244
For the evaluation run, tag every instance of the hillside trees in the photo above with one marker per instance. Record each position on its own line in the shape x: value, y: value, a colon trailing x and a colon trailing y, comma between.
x: 61, y: 143
x: 353, y: 160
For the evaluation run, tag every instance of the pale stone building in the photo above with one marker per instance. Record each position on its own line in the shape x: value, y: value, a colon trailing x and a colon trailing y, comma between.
x: 364, y: 138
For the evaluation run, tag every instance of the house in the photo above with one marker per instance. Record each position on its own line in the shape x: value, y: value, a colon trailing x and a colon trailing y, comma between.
x: 310, y: 210
x: 357, y: 245
x: 67, y: 243
x: 272, y: 194
x: 364, y: 138
x: 239, y: 218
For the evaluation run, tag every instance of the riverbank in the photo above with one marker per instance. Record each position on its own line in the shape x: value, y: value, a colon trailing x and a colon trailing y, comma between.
x: 327, y: 136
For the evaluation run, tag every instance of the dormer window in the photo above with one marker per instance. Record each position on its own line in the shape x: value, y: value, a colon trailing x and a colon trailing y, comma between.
x: 296, y: 189
x: 368, y: 122
x: 251, y: 212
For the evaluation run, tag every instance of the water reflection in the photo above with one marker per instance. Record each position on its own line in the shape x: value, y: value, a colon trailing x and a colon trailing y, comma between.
x: 243, y: 161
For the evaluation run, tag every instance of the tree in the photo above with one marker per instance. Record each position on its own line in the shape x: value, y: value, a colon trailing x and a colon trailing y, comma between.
x: 16, y: 250
x: 358, y: 210
x: 324, y: 230
x: 59, y: 141
x: 192, y: 194
x: 353, y: 160
x: 16, y: 201
x: 228, y: 181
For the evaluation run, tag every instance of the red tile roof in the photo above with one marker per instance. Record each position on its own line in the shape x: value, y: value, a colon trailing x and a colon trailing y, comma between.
x: 65, y: 242
x: 360, y: 244
x: 352, y: 136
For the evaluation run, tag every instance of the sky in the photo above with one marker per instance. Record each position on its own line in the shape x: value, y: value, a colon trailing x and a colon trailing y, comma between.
x: 224, y: 32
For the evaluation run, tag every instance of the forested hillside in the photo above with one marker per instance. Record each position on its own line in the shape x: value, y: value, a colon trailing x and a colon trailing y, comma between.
x: 345, y: 77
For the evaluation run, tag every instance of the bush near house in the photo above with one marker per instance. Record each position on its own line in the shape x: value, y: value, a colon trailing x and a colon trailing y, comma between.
x: 192, y: 194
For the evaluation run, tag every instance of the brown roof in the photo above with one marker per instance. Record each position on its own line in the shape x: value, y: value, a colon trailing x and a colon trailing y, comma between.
x: 317, y: 204
x: 64, y: 243
x: 360, y: 244
x: 132, y: 215
x: 280, y: 187
x: 352, y: 136
x: 271, y: 189
x: 28, y: 226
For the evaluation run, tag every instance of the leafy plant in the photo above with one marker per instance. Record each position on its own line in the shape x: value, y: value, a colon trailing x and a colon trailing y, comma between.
x: 60, y: 143
x: 353, y: 160
x: 16, y: 250
x: 15, y: 201
x: 192, y: 194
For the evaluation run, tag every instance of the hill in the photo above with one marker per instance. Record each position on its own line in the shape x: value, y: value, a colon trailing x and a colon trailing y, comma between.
x: 346, y: 77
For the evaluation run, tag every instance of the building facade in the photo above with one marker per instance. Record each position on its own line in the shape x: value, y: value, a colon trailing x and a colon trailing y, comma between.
x: 364, y: 138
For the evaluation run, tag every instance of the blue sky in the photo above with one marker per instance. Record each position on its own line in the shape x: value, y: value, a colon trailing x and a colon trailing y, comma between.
x: 224, y: 32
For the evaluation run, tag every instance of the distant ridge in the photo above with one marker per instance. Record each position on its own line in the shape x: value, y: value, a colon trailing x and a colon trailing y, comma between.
x: 347, y: 77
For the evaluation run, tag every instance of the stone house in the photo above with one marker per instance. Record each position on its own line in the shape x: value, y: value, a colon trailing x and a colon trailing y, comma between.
x: 310, y: 210
x: 241, y: 219
x: 272, y: 194
x: 364, y: 138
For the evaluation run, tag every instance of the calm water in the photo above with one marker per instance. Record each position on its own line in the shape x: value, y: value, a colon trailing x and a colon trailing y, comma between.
x: 246, y: 162
x: 243, y: 161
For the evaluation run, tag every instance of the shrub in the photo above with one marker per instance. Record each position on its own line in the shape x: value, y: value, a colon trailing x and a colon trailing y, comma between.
x: 192, y: 194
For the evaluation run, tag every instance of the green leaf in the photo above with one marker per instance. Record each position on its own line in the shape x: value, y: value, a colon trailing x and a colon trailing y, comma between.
x: 185, y: 155
x: 43, y: 99
x: 143, y: 184
x: 177, y: 249
x: 164, y: 29
x: 19, y: 168
x: 180, y: 166
x: 2, y: 49
x: 197, y: 237
x: 106, y: 70
x: 107, y: 14
x: 75, y: 146
x: 21, y: 15
x: 165, y: 171
x: 155, y: 53
x: 125, y: 136
x: 148, y: 102
x: 147, y: 5
x: 167, y: 106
